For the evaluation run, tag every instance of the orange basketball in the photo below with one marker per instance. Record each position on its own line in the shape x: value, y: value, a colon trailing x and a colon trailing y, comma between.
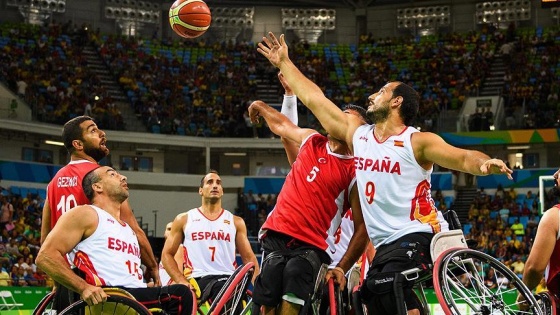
x: 189, y: 18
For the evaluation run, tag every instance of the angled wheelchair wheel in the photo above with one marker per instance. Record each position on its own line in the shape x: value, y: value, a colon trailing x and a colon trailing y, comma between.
x: 45, y: 306
x: 115, y: 305
x: 229, y: 300
x: 460, y: 289
x: 547, y: 302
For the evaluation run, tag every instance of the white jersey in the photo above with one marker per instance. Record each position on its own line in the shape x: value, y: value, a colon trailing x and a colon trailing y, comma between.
x: 209, y: 244
x: 394, y: 189
x: 111, y: 255
x: 340, y: 234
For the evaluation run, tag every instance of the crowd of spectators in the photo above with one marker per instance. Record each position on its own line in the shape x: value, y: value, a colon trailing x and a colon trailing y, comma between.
x: 203, y: 89
x: 504, y: 225
x: 20, y: 228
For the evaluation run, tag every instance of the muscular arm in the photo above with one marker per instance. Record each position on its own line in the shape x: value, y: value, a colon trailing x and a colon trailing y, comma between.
x: 541, y: 251
x: 70, y: 229
x: 45, y: 221
x: 146, y: 253
x: 243, y: 246
x: 430, y: 148
x: 359, y: 240
x: 332, y: 118
x: 289, y: 109
x: 278, y: 123
x: 171, y: 247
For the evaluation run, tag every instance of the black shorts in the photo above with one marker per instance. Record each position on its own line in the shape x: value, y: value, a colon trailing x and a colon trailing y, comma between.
x: 409, y: 251
x: 210, y: 286
x: 173, y: 299
x: 289, y: 268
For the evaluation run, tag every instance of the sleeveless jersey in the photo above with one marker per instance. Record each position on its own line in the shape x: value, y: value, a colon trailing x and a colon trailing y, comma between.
x: 552, y: 271
x: 339, y: 237
x: 315, y: 190
x: 395, y: 191
x: 111, y: 255
x: 64, y: 191
x: 209, y: 244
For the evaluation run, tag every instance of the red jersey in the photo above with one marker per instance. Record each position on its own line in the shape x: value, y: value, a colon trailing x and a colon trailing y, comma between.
x: 65, y: 192
x: 552, y: 273
x: 315, y: 190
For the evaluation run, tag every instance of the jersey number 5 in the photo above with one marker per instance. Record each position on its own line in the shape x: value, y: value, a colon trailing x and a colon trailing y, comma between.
x: 313, y: 174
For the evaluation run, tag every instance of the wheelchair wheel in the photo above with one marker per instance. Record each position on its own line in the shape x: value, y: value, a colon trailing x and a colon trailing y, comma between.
x: 460, y: 289
x: 547, y: 302
x: 115, y: 305
x: 45, y: 305
x: 357, y: 306
x: 229, y: 299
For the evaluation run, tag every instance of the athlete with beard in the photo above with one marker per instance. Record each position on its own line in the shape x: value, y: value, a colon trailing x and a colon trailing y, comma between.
x: 394, y: 163
x: 86, y: 144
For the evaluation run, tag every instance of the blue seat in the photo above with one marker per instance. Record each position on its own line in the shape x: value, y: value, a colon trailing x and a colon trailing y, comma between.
x: 15, y: 190
x: 524, y: 220
x: 156, y: 129
x: 467, y: 228
x: 181, y: 131
x: 511, y: 220
x: 493, y: 214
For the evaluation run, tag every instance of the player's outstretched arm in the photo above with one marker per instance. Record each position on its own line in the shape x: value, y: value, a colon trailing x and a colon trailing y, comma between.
x: 430, y: 148
x: 289, y: 109
x: 146, y: 253
x: 332, y: 118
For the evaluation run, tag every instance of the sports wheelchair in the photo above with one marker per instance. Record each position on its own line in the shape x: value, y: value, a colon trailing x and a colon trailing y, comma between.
x: 121, y: 302
x: 457, y: 276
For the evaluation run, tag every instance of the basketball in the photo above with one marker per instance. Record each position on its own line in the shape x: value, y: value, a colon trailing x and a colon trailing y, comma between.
x: 189, y: 18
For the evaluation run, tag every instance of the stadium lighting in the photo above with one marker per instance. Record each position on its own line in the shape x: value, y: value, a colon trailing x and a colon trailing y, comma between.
x: 38, y: 11
x: 52, y: 142
x: 131, y: 15
x: 309, y: 24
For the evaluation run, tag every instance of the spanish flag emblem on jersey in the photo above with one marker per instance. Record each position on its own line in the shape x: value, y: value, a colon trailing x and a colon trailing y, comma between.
x: 399, y: 143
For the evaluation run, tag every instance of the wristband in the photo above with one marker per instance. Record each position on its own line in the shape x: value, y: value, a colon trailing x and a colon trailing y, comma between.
x: 339, y: 269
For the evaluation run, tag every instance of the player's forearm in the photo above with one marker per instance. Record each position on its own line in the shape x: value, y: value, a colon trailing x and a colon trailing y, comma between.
x: 356, y: 248
x: 473, y: 162
x: 55, y: 265
x: 531, y: 277
x: 172, y: 268
x: 273, y: 118
x: 310, y: 94
x: 146, y: 253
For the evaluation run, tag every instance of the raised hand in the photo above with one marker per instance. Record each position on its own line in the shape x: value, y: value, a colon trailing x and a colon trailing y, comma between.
x: 273, y: 49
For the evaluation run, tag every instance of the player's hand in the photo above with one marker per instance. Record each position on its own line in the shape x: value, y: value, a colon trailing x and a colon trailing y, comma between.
x: 152, y: 275
x: 254, y: 112
x: 287, y: 89
x: 338, y: 276
x: 93, y: 295
x: 521, y: 303
x: 275, y: 50
x: 496, y: 166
